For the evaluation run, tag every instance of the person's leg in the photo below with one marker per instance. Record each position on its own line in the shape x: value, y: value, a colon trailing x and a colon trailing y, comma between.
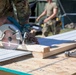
x: 58, y: 28
x: 45, y: 30
x: 53, y: 27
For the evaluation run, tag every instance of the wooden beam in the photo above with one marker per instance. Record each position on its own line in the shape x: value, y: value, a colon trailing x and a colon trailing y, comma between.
x: 53, y: 51
x: 35, y: 48
x: 41, y: 51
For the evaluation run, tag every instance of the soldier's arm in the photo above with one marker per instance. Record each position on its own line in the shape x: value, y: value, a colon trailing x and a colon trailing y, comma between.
x: 43, y: 13
x: 52, y: 16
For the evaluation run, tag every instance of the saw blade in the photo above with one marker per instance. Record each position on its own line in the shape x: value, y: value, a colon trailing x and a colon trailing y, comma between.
x: 9, y: 40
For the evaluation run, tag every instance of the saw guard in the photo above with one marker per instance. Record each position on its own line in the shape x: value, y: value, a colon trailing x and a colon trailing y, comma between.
x: 12, y: 27
x: 9, y: 41
x: 10, y: 36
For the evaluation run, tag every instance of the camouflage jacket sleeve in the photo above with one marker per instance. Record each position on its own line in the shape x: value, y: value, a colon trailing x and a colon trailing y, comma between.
x: 4, y: 7
x: 23, y: 10
x: 22, y: 7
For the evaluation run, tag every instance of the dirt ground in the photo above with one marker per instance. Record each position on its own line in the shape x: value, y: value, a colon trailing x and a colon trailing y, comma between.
x: 53, y: 65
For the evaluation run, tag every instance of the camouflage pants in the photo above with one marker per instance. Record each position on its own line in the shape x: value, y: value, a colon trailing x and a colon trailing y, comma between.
x: 50, y: 27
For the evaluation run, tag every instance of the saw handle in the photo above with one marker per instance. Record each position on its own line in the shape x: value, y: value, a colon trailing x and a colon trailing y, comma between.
x: 11, y: 29
x: 15, y: 31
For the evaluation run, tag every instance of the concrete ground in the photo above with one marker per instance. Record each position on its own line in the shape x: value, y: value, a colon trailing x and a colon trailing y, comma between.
x: 53, y: 65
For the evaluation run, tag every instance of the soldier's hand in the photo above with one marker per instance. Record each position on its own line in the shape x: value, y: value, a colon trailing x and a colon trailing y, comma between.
x: 37, y: 19
x: 45, y: 20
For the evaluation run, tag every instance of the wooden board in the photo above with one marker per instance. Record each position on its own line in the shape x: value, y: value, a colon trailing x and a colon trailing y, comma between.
x: 35, y: 47
x: 52, y: 45
x: 56, y: 50
x: 40, y: 51
x: 11, y: 54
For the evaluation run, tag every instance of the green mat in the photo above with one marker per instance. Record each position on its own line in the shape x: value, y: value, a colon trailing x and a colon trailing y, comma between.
x: 5, y: 71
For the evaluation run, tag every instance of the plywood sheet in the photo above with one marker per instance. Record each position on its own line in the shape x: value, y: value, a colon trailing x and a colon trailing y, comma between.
x: 10, y: 54
x: 47, y: 44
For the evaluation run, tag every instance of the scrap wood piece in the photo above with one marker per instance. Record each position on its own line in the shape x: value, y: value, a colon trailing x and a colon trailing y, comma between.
x: 35, y: 48
x: 32, y: 47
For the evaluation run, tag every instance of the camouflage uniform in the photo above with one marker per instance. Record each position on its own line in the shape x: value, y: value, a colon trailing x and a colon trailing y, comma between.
x: 22, y: 13
x: 23, y: 10
x: 22, y: 7
x: 4, y: 8
x: 4, y: 11
x: 51, y: 24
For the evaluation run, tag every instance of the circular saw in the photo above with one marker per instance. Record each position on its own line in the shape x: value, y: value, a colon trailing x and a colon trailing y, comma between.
x: 10, y: 36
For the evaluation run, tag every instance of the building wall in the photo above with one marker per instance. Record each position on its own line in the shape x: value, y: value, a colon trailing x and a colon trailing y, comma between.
x: 69, y: 7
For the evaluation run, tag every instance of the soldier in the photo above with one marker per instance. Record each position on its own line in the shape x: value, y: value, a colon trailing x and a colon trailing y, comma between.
x: 50, y: 11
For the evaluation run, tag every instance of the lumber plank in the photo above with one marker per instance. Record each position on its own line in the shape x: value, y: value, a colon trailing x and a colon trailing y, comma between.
x: 53, y: 51
x: 39, y: 55
x: 62, y: 42
x: 11, y: 54
x: 41, y: 51
x: 35, y: 48
x: 32, y: 47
